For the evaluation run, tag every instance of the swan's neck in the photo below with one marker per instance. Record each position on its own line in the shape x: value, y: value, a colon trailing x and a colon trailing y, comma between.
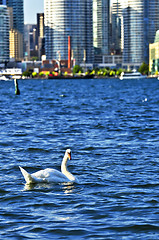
x: 64, y: 169
x: 64, y: 165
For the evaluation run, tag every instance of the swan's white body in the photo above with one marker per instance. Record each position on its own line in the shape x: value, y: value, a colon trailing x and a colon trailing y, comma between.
x: 50, y: 175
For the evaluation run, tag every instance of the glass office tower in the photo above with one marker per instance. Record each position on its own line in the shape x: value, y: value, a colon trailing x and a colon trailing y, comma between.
x: 101, y: 26
x: 65, y: 18
x: 18, y: 14
x: 133, y: 21
x: 4, y: 34
x: 152, y: 10
x: 116, y: 20
x: 140, y: 23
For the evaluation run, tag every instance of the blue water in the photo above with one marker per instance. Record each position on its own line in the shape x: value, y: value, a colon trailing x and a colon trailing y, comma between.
x: 112, y: 128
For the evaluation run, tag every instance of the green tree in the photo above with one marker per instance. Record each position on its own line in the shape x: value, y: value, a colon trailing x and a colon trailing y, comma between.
x: 144, y: 68
x: 34, y: 59
x: 105, y: 72
x: 119, y: 71
x: 34, y: 74
x: 41, y: 74
x: 93, y: 72
x: 112, y: 73
x: 47, y: 73
x: 26, y: 73
x: 77, y: 69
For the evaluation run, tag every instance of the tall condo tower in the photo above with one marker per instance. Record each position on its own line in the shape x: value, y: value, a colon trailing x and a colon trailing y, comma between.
x: 72, y: 18
x: 101, y: 26
x: 18, y: 14
x: 116, y: 21
x: 133, y: 21
x: 152, y: 11
x: 40, y: 34
x: 4, y: 34
x: 140, y: 23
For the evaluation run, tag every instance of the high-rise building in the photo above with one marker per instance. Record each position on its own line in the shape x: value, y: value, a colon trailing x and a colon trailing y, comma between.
x: 133, y: 21
x: 40, y: 25
x: 10, y: 10
x: 140, y: 23
x: 72, y: 18
x: 16, y: 46
x: 4, y: 34
x: 152, y: 10
x: 18, y: 14
x: 40, y: 34
x: 101, y: 26
x: 116, y: 43
x: 28, y: 40
x: 134, y: 24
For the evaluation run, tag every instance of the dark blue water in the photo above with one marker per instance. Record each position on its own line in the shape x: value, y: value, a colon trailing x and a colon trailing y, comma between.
x: 112, y: 128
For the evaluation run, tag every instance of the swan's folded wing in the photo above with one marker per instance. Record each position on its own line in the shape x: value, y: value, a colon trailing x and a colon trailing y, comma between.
x: 50, y: 175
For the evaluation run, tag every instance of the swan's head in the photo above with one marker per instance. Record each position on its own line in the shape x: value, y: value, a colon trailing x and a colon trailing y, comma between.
x: 68, y: 153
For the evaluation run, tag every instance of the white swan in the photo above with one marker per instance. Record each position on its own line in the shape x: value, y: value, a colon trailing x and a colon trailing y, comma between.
x: 49, y: 175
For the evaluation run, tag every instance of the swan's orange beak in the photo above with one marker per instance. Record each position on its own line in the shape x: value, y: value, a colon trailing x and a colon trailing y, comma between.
x: 69, y: 156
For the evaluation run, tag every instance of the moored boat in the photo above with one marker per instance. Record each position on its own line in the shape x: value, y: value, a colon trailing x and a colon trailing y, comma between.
x: 132, y: 75
x: 4, y: 78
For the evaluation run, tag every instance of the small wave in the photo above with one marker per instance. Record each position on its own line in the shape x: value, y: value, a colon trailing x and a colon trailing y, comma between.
x: 148, y: 185
x: 88, y: 149
x: 99, y: 126
x: 31, y: 149
x: 152, y: 201
x: 136, y: 228
x: 65, y: 232
x: 2, y: 191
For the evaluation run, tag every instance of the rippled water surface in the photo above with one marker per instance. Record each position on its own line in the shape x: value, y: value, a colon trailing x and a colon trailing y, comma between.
x: 112, y: 128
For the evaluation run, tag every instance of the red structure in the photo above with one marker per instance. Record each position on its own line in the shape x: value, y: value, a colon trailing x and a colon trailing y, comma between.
x: 69, y: 51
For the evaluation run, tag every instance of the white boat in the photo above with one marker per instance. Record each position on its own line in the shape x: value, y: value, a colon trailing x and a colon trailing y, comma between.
x: 4, y: 78
x: 132, y: 75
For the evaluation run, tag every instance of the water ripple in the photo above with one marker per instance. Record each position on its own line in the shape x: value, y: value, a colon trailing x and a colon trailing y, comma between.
x: 113, y: 133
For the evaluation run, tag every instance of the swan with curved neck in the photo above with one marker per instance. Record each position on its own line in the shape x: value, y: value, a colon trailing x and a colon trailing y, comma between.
x: 49, y: 175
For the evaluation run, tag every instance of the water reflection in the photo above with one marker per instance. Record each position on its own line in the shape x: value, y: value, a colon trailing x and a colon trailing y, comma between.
x: 29, y: 187
x: 66, y: 187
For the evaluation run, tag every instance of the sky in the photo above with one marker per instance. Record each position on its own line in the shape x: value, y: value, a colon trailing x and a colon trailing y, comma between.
x: 31, y: 8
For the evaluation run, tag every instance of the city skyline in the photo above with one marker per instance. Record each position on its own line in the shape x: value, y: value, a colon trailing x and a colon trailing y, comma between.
x: 94, y: 29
